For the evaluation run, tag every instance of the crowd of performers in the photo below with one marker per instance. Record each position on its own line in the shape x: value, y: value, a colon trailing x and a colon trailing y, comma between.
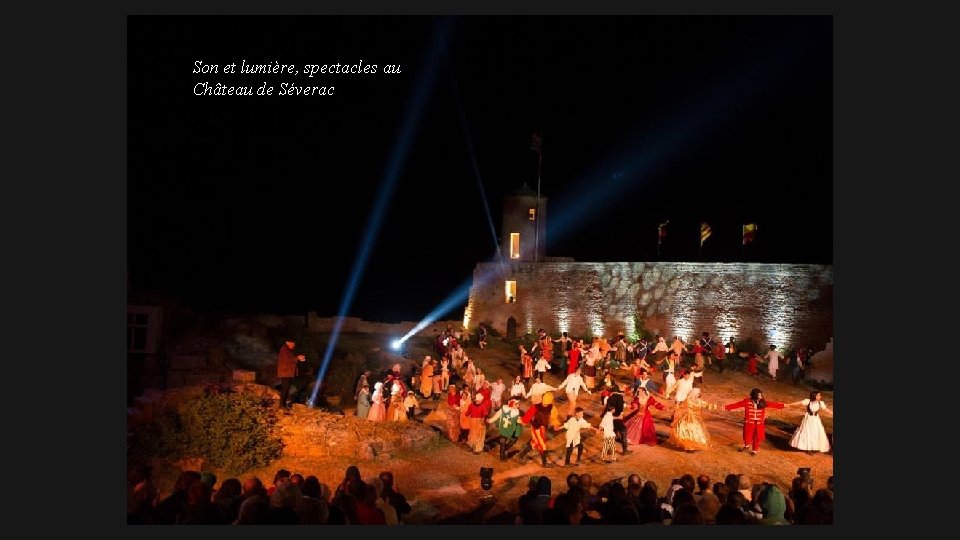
x: 467, y: 402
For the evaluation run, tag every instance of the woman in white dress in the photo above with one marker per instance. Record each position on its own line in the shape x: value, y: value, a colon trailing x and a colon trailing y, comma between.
x: 810, y: 436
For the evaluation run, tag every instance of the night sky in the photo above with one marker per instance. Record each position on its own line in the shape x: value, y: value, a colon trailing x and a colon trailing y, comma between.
x: 259, y: 204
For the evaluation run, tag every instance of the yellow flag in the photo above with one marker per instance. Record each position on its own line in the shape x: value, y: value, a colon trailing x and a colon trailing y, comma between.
x: 705, y: 232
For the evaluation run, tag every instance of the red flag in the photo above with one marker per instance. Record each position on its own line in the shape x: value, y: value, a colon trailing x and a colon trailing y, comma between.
x: 662, y: 231
x: 536, y: 143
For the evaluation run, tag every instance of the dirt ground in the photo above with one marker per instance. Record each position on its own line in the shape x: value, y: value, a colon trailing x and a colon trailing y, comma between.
x: 442, y: 484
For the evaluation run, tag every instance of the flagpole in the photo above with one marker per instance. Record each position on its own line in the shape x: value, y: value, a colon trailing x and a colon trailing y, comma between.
x: 536, y: 253
x: 743, y: 244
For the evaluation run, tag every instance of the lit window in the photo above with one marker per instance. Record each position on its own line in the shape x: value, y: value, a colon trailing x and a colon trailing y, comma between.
x: 515, y: 245
x: 510, y: 291
x: 533, y: 214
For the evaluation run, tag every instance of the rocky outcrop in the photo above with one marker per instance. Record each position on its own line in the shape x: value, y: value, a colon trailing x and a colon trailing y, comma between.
x: 311, y: 433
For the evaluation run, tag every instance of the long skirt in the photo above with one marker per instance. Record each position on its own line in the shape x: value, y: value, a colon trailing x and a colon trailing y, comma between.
x: 478, y: 434
x: 453, y: 424
x: 641, y: 430
x: 810, y: 436
x: 378, y: 413
x: 688, y: 431
x: 426, y: 386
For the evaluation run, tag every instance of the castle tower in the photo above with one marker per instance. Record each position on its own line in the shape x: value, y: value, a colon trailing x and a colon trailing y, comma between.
x: 524, y: 226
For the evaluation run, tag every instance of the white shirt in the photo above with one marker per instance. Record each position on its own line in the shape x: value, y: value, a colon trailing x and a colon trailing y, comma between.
x: 683, y: 389
x: 496, y: 391
x: 774, y: 357
x: 542, y: 365
x: 517, y: 390
x: 572, y: 383
x: 606, y: 424
x: 573, y: 427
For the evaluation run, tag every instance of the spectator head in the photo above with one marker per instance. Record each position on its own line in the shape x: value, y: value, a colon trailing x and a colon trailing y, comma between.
x: 209, y: 479
x: 586, y: 481
x: 773, y: 504
x: 732, y: 481
x: 281, y: 475
x: 297, y: 479
x: 687, y: 514
x: 688, y: 483
x: 721, y: 491
x: 573, y: 480
x: 683, y: 496
x: 252, y: 485
x: 185, y: 480
x: 730, y: 515
x: 709, y: 505
x: 288, y: 495
x: 703, y: 482
x: 311, y: 487
x: 352, y: 473
x: 229, y: 489
x: 386, y: 477
x: 253, y: 511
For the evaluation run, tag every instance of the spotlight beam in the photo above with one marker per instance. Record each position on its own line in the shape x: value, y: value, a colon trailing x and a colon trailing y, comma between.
x: 411, y: 121
x: 454, y: 299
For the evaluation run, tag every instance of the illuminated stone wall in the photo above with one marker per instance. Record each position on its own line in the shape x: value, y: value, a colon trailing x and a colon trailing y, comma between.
x: 774, y: 303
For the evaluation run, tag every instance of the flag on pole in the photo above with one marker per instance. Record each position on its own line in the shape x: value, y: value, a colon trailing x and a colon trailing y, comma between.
x: 749, y: 231
x: 662, y: 232
x: 536, y: 143
x: 705, y: 232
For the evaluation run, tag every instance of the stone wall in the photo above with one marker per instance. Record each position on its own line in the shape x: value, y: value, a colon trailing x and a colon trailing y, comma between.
x: 781, y: 304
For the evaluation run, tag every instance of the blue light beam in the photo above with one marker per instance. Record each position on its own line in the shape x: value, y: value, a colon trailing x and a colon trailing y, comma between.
x: 408, y: 128
x: 454, y: 299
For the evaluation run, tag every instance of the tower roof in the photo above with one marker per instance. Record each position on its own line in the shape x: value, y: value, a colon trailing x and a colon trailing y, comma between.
x: 524, y: 191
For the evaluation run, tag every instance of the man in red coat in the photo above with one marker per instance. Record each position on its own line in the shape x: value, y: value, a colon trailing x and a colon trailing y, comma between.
x: 754, y: 416
x: 287, y: 369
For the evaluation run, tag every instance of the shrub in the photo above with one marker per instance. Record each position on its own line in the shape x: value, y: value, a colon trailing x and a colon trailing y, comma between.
x: 231, y: 431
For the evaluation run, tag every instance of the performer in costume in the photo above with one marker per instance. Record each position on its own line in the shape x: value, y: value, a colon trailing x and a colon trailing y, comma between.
x: 640, y: 427
x: 476, y: 412
x: 378, y: 412
x: 573, y: 426
x: 508, y: 424
x: 810, y: 435
x: 754, y: 418
x: 573, y: 383
x: 688, y: 431
x: 538, y: 417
